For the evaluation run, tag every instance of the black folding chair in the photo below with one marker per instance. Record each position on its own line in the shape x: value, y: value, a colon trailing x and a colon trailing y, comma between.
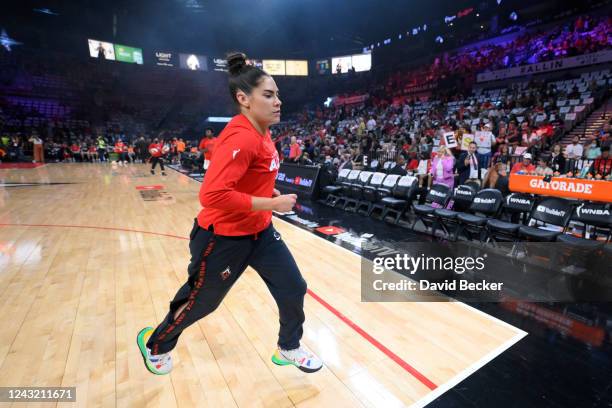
x: 371, y: 193
x: 356, y: 191
x: 595, y: 215
x: 385, y: 190
x: 462, y: 197
x: 551, y: 211
x: 517, y: 205
x: 402, y: 196
x: 438, y: 194
x: 346, y: 188
x: 333, y: 191
x: 486, y: 205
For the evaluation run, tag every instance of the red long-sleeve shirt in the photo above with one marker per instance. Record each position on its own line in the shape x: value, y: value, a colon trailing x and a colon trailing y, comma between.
x: 157, y: 146
x: 244, y: 164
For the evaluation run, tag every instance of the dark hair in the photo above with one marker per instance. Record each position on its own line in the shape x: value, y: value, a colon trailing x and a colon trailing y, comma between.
x: 242, y: 76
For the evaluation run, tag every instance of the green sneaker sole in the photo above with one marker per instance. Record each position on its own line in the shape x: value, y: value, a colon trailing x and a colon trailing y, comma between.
x: 280, y: 362
x: 143, y: 351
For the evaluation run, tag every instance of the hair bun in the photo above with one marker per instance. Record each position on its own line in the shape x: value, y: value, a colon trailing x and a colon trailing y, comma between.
x: 236, y: 62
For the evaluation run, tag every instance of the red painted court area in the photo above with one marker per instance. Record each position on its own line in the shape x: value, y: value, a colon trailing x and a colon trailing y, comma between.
x: 20, y: 165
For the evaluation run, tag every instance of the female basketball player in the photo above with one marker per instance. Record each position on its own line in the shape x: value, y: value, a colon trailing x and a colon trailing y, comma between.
x: 234, y: 229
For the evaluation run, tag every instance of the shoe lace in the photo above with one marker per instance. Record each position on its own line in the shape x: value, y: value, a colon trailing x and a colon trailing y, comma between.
x: 159, y: 358
x: 298, y: 354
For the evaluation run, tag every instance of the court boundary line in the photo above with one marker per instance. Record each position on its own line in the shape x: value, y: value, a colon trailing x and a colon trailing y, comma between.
x: 488, y: 316
x: 394, y: 357
x: 520, y: 334
x: 468, y: 371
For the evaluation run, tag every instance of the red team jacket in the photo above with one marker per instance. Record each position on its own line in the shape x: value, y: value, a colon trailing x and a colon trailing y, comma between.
x: 158, y: 146
x: 244, y: 164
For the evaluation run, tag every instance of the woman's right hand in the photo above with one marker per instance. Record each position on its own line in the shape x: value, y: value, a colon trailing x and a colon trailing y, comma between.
x: 284, y: 203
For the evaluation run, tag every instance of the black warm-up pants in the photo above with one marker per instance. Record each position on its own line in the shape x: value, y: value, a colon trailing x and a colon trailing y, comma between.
x: 216, y: 263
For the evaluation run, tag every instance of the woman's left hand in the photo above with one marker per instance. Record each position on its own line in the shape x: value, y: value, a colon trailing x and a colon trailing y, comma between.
x: 275, y: 193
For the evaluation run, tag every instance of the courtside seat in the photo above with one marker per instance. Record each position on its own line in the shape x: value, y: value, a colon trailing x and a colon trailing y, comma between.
x: 356, y: 191
x: 507, y: 227
x: 402, y: 195
x: 462, y: 198
x: 346, y: 188
x: 486, y: 205
x: 538, y: 234
x: 438, y: 194
x: 551, y: 210
x: 518, y: 205
x: 374, y: 166
x: 595, y: 215
x: 333, y: 191
x: 371, y: 193
x: 472, y: 219
x: 580, y: 242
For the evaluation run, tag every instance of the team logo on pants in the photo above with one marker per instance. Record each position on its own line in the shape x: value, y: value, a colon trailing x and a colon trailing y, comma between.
x: 226, y: 273
x: 277, y: 236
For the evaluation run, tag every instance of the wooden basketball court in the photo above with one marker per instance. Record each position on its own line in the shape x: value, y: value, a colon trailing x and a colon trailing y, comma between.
x: 84, y: 266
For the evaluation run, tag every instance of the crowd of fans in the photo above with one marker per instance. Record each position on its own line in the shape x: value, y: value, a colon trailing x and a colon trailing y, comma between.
x: 384, y: 128
x: 509, y: 138
x: 585, y: 34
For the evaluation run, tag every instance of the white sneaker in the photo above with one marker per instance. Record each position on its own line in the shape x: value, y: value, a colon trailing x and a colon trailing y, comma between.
x: 299, y: 357
x: 159, y: 364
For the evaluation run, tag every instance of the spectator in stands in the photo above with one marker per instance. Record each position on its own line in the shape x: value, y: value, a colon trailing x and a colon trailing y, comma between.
x: 524, y: 166
x: 295, y: 151
x: 602, y: 167
x: 557, y: 160
x: 346, y: 162
x: 305, y: 159
x: 592, y: 151
x: 371, y: 125
x: 502, y: 155
x: 574, y: 150
x: 400, y: 166
x: 497, y: 178
x: 512, y: 134
x: 467, y: 165
x: 442, y: 167
x: 485, y: 140
x: 542, y: 169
